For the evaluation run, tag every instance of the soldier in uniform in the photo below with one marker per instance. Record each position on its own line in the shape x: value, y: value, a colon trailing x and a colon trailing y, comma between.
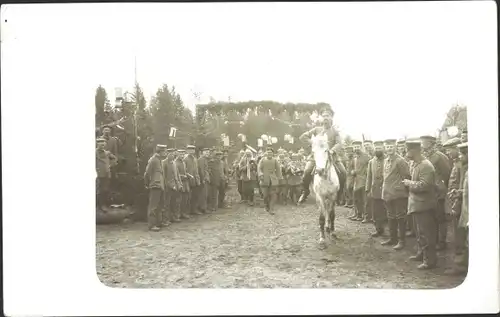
x: 283, y: 183
x: 294, y: 171
x: 185, y: 191
x: 236, y: 170
x: 454, y: 202
x: 443, y: 169
x: 463, y: 222
x: 422, y: 204
x: 374, y: 182
x: 361, y: 160
x: 191, y: 163
x: 172, y: 187
x: 204, y: 180
x: 395, y: 195
x: 269, y: 173
x: 216, y: 179
x: 333, y: 139
x: 154, y: 181
x: 104, y: 162
x: 349, y: 164
x: 225, y: 180
x: 248, y: 176
x: 368, y: 146
x: 401, y: 148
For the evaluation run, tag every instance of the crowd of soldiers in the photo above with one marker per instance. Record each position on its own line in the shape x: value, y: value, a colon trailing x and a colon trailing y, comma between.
x: 408, y: 188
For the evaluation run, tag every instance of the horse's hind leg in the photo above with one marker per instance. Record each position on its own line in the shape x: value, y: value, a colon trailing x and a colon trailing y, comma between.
x: 332, y: 222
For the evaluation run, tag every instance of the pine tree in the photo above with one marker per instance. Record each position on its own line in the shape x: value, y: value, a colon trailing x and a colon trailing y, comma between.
x: 101, y: 105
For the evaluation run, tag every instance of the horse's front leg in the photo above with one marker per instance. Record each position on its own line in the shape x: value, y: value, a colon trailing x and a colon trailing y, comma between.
x: 322, y: 244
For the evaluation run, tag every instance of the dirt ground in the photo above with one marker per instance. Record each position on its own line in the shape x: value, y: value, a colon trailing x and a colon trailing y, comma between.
x: 245, y: 247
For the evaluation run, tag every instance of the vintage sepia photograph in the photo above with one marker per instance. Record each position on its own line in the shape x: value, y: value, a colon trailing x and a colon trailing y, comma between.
x: 245, y: 151
x: 298, y: 168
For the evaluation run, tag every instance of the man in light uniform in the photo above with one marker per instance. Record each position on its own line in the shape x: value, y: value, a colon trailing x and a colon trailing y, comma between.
x: 361, y: 160
x: 154, y: 181
x: 333, y: 139
x: 395, y: 195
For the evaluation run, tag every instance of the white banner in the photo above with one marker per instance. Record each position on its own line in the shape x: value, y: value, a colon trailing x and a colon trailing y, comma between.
x: 260, y: 143
x: 226, y: 141
x: 172, y: 132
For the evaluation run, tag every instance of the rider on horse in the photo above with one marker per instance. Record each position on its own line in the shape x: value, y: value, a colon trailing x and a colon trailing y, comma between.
x: 334, y: 143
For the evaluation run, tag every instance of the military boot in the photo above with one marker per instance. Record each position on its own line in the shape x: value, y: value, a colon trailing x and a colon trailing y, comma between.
x: 401, y: 234
x: 393, y: 233
x: 306, y: 182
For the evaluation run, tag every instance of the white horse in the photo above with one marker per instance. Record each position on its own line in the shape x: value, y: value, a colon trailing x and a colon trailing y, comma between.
x: 325, y: 186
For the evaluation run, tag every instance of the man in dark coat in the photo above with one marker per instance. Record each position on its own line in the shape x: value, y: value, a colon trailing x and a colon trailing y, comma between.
x: 443, y: 169
x: 422, y: 204
x: 374, y: 183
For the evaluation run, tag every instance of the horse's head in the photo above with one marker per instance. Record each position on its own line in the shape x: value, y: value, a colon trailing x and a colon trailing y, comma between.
x: 319, y: 147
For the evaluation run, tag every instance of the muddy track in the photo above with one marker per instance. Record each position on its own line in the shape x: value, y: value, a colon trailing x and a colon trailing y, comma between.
x: 245, y: 247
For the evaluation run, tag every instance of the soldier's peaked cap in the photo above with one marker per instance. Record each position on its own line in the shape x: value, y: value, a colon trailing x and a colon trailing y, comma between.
x: 428, y: 137
x: 170, y: 150
x: 368, y: 141
x: 106, y: 126
x: 356, y: 143
x: 190, y: 147
x: 378, y: 143
x: 391, y: 141
x: 101, y: 140
x: 181, y: 150
x: 463, y: 146
x: 218, y: 152
x: 161, y: 146
x: 452, y: 142
x: 413, y: 144
x: 349, y: 147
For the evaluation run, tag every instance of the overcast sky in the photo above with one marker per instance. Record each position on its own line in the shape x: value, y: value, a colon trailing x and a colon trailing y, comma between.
x: 388, y: 69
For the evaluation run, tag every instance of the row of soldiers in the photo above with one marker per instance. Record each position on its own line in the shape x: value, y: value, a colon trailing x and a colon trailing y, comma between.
x: 412, y: 186
x: 179, y: 183
x: 182, y: 185
x: 286, y: 167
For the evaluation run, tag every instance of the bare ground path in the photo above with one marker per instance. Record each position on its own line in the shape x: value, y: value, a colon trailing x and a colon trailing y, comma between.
x: 245, y: 247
